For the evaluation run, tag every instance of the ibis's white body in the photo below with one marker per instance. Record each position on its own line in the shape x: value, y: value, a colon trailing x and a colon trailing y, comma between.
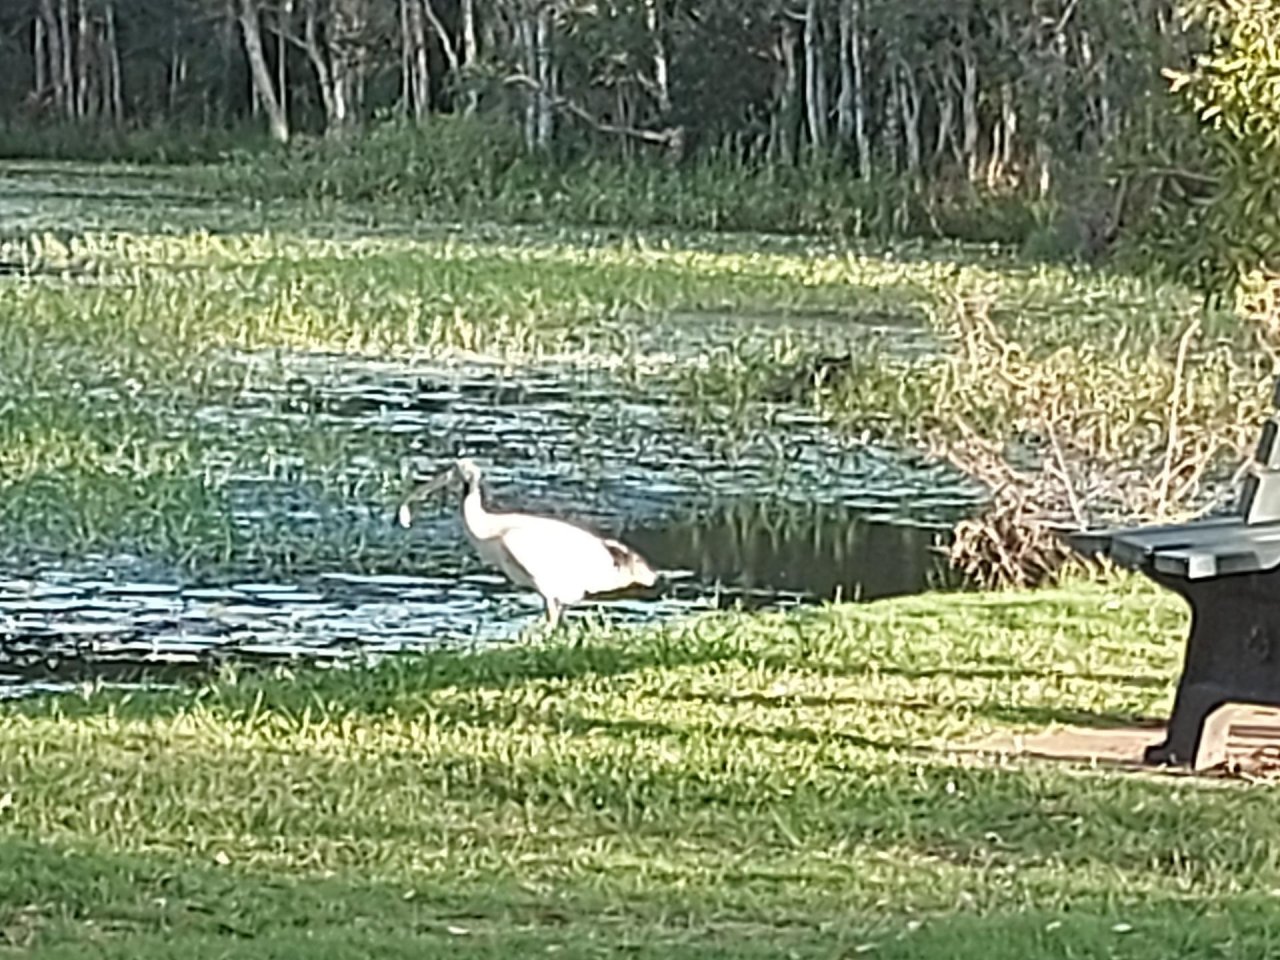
x: 561, y: 561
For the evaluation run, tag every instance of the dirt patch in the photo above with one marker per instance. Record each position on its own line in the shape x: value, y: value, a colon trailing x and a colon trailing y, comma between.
x: 1110, y: 746
x: 1244, y: 744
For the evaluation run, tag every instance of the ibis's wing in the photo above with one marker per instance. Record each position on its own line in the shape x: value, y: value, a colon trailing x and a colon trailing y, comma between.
x: 564, y: 560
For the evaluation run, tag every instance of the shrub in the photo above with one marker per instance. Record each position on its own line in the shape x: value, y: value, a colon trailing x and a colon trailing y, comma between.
x: 1234, y: 90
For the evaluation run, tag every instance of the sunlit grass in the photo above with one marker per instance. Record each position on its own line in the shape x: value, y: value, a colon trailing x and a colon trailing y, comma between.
x: 733, y: 786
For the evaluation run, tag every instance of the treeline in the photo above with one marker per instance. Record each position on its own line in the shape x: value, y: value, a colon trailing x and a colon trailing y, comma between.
x: 997, y: 92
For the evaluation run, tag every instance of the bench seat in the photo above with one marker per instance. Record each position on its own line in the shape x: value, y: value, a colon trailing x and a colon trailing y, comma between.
x: 1212, y: 547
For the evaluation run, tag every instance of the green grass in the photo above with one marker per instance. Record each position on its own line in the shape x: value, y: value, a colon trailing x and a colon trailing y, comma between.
x: 98, y: 144
x: 472, y: 169
x: 735, y: 786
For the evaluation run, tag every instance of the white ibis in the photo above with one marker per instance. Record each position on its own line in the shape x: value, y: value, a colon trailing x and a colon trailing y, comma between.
x: 560, y: 560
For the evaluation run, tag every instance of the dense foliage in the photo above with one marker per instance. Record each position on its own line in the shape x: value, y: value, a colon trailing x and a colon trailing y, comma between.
x: 1234, y: 89
x: 983, y: 91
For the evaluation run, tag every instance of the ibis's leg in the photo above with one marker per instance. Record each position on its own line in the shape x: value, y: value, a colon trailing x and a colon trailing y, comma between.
x: 553, y: 612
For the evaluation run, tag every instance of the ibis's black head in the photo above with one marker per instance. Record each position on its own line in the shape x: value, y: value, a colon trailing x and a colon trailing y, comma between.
x: 463, y: 469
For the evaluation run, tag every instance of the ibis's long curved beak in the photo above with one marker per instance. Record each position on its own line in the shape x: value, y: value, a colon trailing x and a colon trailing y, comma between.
x: 405, y: 513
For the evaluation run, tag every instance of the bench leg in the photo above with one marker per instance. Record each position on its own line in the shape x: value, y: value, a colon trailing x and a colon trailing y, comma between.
x: 1232, y: 654
x: 1192, y: 707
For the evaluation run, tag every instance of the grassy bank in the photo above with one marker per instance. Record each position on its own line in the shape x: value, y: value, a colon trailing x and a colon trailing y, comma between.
x: 1041, y: 348
x: 97, y: 144
x: 735, y: 786
x: 469, y: 169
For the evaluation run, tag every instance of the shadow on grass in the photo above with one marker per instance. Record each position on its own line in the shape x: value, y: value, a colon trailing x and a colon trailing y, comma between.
x: 403, y: 684
x: 1045, y: 716
x: 1010, y: 713
x: 627, y: 729
x: 1011, y: 672
x: 791, y: 701
x: 57, y: 901
x: 60, y: 901
x: 965, y: 672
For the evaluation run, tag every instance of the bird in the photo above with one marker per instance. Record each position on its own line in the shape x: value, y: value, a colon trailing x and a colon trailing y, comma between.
x: 560, y: 560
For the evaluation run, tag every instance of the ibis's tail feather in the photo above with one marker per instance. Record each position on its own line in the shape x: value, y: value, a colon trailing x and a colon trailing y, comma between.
x: 630, y: 564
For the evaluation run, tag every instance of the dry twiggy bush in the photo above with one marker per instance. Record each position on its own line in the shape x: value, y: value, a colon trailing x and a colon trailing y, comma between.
x: 1258, y: 302
x: 1077, y: 439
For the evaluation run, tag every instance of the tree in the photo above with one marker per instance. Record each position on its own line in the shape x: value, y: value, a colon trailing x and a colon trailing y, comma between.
x: 272, y: 102
x: 1234, y: 89
x: 1006, y: 92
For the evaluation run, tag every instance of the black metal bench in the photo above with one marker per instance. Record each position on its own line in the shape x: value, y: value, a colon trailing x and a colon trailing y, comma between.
x: 1227, y: 568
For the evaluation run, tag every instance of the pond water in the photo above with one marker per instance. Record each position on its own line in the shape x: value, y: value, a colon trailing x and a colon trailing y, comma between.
x: 764, y: 511
x: 780, y: 513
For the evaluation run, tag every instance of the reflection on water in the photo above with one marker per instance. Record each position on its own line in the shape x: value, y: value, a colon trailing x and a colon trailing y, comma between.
x: 561, y: 440
x: 760, y: 554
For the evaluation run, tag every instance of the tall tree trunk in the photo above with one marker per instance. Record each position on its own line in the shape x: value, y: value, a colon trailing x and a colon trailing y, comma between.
x: 319, y: 57
x: 522, y: 29
x: 909, y: 105
x: 406, y: 58
x: 83, y: 61
x: 1003, y: 135
x: 1106, y: 115
x: 417, y: 71
x: 661, y: 64
x: 346, y: 56
x: 39, y: 51
x: 283, y: 17
x: 446, y: 41
x: 844, y: 60
x: 68, y: 81
x: 815, y: 77
x: 622, y: 108
x: 857, y: 53
x: 1044, y: 167
x: 969, y: 101
x: 542, y: 59
x: 251, y: 31
x: 470, y: 51
x: 1050, y: 114
x: 945, y: 104
x: 115, y: 84
x: 1098, y: 103
x: 786, y: 126
x: 890, y: 128
x: 177, y: 72
x: 1005, y: 129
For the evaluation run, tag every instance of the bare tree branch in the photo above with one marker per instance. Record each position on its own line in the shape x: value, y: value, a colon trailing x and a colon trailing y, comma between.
x: 446, y: 42
x: 670, y: 137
